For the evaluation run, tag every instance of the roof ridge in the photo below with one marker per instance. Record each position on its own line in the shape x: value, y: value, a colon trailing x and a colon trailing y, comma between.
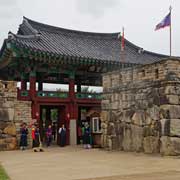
x: 28, y: 25
x: 55, y: 29
x: 24, y: 37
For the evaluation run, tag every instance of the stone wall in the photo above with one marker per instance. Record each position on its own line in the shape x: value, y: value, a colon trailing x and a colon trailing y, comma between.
x: 141, y: 108
x: 12, y: 114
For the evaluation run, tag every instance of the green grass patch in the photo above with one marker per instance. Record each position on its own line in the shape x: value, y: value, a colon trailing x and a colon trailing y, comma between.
x: 3, y: 174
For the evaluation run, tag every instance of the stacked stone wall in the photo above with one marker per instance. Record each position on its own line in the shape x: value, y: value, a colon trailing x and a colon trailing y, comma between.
x: 141, y: 108
x: 12, y: 114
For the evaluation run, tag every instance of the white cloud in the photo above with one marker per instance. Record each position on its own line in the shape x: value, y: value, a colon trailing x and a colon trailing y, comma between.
x: 95, y: 7
x: 8, y: 2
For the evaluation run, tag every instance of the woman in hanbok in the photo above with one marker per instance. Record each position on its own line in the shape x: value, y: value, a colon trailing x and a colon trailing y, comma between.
x: 87, y: 136
x: 62, y: 133
x: 49, y: 135
x: 23, y: 139
x: 36, y: 139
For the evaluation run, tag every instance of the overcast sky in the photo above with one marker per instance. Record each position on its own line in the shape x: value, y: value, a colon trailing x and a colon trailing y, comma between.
x: 139, y: 17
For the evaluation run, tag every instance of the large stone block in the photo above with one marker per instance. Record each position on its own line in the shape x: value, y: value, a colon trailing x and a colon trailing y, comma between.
x: 165, y: 127
x: 115, y: 80
x: 105, y: 104
x: 3, y: 124
x: 2, y: 141
x: 175, y: 127
x: 173, y: 99
x: 10, y: 129
x: 104, y: 116
x: 170, y: 90
x: 12, y: 86
x: 170, y: 146
x: 3, y: 147
x: 127, y: 115
x: 151, y: 144
x: 153, y: 112
x: 173, y: 111
x: 11, y: 146
x: 4, y: 116
x: 10, y: 114
x: 127, y: 138
x: 148, y: 120
x: 8, y: 104
x: 138, y: 118
x: 115, y: 105
x: 137, y: 138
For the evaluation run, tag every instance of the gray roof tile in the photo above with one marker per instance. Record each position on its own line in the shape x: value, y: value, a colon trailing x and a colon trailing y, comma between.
x: 102, y: 46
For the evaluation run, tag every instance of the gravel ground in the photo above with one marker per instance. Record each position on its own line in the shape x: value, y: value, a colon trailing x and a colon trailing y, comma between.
x: 76, y: 163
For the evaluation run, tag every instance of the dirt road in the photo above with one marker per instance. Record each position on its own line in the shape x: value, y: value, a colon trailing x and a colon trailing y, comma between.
x: 71, y: 163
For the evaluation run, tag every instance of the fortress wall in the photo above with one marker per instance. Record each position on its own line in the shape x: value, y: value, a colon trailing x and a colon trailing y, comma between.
x: 141, y: 108
x: 12, y: 114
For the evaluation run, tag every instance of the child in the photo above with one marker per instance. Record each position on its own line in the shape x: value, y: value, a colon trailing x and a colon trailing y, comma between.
x: 36, y: 139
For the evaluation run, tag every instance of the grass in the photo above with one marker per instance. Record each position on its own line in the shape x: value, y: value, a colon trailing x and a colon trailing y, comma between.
x: 3, y: 174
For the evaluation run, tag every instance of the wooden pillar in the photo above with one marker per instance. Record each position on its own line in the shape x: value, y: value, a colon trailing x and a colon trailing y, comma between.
x: 23, y: 84
x: 35, y: 110
x: 67, y: 118
x: 40, y: 86
x: 32, y: 93
x: 32, y: 89
x: 72, y: 111
x: 78, y: 87
x: 48, y: 117
x: 71, y: 88
x: 72, y: 85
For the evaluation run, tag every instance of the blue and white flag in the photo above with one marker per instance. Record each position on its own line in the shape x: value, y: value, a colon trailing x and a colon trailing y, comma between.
x: 164, y: 23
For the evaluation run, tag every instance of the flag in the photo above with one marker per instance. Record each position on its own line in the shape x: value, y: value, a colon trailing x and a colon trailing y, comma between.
x: 122, y: 41
x: 119, y: 35
x: 164, y: 23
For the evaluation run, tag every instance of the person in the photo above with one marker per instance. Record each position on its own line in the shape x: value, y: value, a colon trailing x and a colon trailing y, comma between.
x: 49, y: 135
x: 23, y: 139
x: 62, y: 132
x: 82, y: 130
x: 87, y: 137
x: 36, y: 145
x: 79, y: 134
x: 54, y: 131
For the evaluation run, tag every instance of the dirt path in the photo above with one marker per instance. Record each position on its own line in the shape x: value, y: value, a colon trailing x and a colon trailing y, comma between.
x: 72, y: 163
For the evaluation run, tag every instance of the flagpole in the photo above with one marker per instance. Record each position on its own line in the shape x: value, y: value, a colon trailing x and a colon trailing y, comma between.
x: 122, y: 45
x: 170, y: 31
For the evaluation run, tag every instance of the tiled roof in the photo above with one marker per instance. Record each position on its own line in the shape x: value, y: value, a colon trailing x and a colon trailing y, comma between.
x: 101, y: 46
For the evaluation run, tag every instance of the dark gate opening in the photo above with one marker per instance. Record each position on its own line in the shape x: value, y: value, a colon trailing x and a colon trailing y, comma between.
x: 54, y: 116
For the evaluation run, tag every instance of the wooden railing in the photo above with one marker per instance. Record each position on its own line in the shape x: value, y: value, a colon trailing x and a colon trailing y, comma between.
x: 52, y: 94
x: 55, y: 94
x: 97, y: 96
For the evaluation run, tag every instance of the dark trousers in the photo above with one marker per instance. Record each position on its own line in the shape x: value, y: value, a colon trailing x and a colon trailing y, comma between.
x: 54, y: 135
x: 49, y: 141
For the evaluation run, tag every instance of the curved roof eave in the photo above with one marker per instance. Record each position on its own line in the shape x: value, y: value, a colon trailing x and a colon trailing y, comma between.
x: 73, y: 43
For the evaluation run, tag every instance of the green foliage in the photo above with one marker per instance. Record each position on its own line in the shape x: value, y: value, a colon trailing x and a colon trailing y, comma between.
x: 54, y: 114
x: 87, y: 90
x: 3, y: 174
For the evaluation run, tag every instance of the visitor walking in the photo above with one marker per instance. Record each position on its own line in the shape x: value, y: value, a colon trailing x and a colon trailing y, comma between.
x: 87, y: 135
x: 48, y: 135
x: 54, y: 131
x: 23, y: 139
x: 79, y: 135
x: 62, y: 133
x: 82, y: 130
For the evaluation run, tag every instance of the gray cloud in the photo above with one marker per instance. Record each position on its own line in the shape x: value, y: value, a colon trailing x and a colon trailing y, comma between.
x: 95, y: 7
x: 8, y: 2
x: 9, y: 13
x: 9, y: 9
